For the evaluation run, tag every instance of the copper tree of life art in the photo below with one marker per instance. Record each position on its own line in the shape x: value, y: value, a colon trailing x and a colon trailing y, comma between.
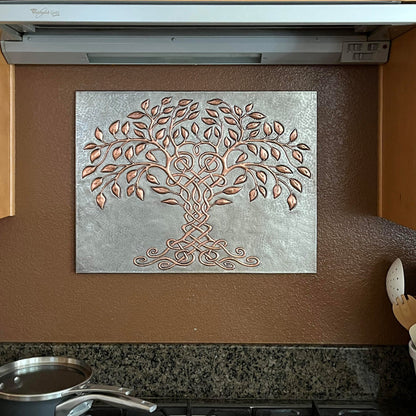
x: 194, y: 155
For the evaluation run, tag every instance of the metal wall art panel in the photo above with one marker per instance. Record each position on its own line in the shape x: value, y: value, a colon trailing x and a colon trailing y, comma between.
x: 196, y: 182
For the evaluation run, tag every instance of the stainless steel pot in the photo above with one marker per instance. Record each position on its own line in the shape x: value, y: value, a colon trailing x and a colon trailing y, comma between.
x: 57, y: 386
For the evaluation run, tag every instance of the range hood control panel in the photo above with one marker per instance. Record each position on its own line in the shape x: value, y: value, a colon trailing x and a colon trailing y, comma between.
x: 365, y: 52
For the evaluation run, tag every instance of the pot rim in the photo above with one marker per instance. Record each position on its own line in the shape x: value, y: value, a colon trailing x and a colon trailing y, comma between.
x: 27, y: 363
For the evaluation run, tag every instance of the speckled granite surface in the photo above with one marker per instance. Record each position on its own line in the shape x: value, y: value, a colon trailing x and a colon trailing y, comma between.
x: 217, y: 371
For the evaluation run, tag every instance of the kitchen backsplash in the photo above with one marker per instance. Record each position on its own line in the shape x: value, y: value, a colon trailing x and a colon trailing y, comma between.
x: 344, y: 303
x: 225, y: 371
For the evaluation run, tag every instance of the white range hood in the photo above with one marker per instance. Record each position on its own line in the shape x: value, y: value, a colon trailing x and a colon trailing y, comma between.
x: 190, y: 32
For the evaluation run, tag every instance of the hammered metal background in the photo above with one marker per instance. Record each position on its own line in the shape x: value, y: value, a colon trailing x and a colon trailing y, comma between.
x: 196, y: 182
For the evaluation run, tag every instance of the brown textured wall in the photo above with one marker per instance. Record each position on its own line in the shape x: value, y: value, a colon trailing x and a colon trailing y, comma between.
x: 42, y: 299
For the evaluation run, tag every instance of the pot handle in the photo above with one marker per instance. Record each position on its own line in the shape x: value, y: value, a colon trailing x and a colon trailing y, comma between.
x: 81, y: 404
x: 100, y: 388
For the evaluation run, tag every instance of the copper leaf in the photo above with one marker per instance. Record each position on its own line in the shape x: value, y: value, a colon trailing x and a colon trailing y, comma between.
x: 222, y: 201
x: 195, y: 128
x: 225, y: 110
x: 296, y: 184
x: 264, y: 155
x: 241, y: 158
x: 304, y: 171
x: 95, y: 155
x: 283, y: 169
x: 160, y: 189
x: 262, y: 176
x: 253, y: 194
x: 131, y: 175
x: 163, y: 120
x: 208, y: 120
x: 100, y: 199
x: 88, y: 170
x: 117, y: 153
x: 170, y: 201
x: 149, y: 156
x: 145, y: 104
x: 90, y: 146
x: 252, y: 148
x: 278, y: 128
x: 293, y: 135
x: 98, y: 134
x: 180, y: 112
x: 126, y: 127
x: 140, y: 193
x: 184, y: 102
x: 109, y: 168
x: 130, y: 190
x: 129, y: 153
x: 240, y: 179
x: 113, y: 129
x: 139, y: 148
x: 253, y: 125
x: 291, y: 201
x: 230, y: 120
x: 207, y: 133
x: 275, y: 153
x: 233, y: 134
x: 267, y: 128
x: 160, y: 134
x: 96, y: 183
x: 215, y: 101
x: 277, y: 190
x: 263, y: 191
x: 257, y: 116
x: 297, y: 155
x: 238, y: 110
x: 303, y: 146
x: 115, y: 189
x: 184, y: 132
x: 231, y: 190
x: 138, y: 133
x: 212, y: 113
x: 136, y: 115
x: 152, y: 179
x: 249, y: 107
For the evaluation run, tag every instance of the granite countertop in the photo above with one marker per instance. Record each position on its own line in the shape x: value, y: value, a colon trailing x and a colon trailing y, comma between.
x: 247, y: 372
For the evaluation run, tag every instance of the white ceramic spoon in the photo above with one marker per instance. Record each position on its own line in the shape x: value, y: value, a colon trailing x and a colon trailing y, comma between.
x: 412, y: 333
x: 395, y: 281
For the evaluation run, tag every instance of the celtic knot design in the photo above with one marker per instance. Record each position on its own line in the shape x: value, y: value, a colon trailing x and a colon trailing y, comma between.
x: 200, y: 161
